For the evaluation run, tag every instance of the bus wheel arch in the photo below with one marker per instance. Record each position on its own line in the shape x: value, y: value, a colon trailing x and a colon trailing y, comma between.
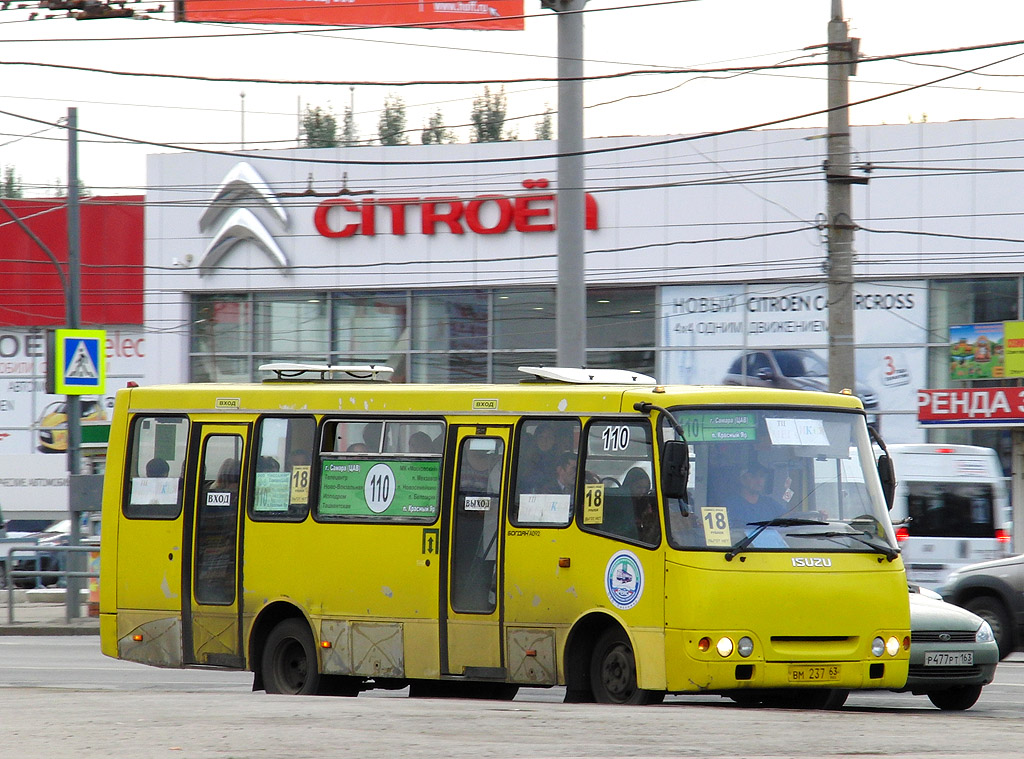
x: 596, y: 645
x: 268, y: 620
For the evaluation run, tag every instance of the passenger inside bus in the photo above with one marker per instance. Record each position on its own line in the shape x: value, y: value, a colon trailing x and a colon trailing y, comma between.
x: 228, y: 475
x: 638, y: 484
x: 752, y: 503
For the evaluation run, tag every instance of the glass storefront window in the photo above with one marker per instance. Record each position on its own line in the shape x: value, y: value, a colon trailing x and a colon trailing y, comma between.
x: 220, y: 369
x: 221, y: 324
x: 506, y: 365
x: 373, y: 326
x: 633, y: 361
x: 449, y: 321
x: 524, y: 319
x: 449, y: 367
x: 970, y: 301
x: 620, y: 318
x: 293, y: 324
x: 958, y: 302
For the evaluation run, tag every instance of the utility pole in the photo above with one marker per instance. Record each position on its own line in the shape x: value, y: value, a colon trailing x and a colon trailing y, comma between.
x: 73, y: 404
x: 842, y: 57
x: 571, y: 293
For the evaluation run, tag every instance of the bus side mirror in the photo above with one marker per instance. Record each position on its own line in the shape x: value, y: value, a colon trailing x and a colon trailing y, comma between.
x: 675, y: 469
x: 887, y: 475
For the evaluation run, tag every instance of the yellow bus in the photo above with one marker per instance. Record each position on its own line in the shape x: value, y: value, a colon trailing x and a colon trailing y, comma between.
x: 333, y: 532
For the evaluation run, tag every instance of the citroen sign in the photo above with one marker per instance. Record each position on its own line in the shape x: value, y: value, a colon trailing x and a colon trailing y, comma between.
x: 229, y: 214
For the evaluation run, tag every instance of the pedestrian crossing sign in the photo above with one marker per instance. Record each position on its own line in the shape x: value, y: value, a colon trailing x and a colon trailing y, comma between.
x: 79, y: 361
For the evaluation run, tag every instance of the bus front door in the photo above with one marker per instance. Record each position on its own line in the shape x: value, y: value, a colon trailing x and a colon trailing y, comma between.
x: 211, y: 629
x: 471, y: 641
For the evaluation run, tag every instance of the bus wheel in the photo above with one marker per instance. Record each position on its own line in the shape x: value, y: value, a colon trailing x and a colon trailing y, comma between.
x: 289, y: 660
x: 613, y: 672
x: 956, y: 699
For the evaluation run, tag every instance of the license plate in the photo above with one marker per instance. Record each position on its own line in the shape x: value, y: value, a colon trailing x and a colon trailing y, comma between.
x: 948, y: 658
x: 814, y: 673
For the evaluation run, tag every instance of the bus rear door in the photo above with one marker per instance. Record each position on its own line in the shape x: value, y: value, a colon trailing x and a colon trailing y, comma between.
x: 471, y: 631
x: 211, y: 629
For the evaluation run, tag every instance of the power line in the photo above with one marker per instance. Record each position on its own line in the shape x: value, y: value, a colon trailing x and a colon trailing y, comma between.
x: 524, y: 80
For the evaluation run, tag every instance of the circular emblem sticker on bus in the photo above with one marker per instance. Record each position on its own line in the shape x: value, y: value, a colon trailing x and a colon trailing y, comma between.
x: 379, y: 488
x: 624, y: 580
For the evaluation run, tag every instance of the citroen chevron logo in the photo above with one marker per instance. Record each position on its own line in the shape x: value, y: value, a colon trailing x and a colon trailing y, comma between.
x: 228, y: 213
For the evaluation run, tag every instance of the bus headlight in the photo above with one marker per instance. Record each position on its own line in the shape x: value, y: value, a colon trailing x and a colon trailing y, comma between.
x: 877, y: 646
x: 724, y: 646
x: 745, y: 647
x: 892, y: 646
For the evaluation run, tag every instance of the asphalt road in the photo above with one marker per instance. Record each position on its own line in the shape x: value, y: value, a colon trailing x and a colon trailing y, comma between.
x: 60, y: 696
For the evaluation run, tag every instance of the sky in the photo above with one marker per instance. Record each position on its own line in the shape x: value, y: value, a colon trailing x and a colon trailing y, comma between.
x: 618, y: 37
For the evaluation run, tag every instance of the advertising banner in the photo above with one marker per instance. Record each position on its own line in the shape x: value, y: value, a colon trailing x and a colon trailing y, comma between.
x: 450, y: 14
x: 1013, y: 348
x: 971, y: 407
x: 976, y: 351
x: 777, y: 336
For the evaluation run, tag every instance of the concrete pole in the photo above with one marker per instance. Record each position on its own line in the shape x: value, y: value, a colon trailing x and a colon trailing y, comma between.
x: 841, y: 364
x: 74, y: 321
x: 571, y: 294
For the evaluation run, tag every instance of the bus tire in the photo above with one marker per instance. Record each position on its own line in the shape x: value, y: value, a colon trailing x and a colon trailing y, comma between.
x: 992, y: 611
x: 613, y: 672
x: 956, y: 699
x: 289, y: 663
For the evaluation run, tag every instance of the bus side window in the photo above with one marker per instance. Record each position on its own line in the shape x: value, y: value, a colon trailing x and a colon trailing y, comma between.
x: 546, y: 472
x: 413, y: 437
x: 157, y: 457
x: 621, y: 504
x: 284, y: 458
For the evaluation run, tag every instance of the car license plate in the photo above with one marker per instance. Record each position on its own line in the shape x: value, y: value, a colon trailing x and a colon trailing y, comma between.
x: 948, y: 658
x: 814, y: 673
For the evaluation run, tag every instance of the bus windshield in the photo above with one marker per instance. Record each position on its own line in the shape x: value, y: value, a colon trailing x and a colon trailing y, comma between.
x: 801, y: 479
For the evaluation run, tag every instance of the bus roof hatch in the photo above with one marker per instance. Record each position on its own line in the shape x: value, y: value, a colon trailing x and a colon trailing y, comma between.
x: 586, y: 376
x: 299, y: 372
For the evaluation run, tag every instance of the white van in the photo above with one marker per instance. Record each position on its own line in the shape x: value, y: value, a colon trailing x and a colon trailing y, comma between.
x: 952, y: 508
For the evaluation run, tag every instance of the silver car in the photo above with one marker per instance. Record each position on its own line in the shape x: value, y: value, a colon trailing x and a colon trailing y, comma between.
x: 793, y: 369
x: 953, y: 653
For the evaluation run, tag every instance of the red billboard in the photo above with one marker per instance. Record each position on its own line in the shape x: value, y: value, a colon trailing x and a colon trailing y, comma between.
x: 432, y: 14
x: 111, y: 255
x: 971, y: 407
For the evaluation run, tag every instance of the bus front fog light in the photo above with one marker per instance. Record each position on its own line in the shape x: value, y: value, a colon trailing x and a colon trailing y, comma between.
x: 892, y: 646
x: 724, y: 646
x: 877, y: 646
x: 745, y: 647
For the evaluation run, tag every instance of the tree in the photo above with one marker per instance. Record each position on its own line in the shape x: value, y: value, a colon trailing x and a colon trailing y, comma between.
x: 488, y: 118
x: 435, y: 132
x: 543, y: 129
x: 348, y: 128
x: 60, y: 189
x: 391, y: 125
x: 319, y: 128
x: 10, y: 186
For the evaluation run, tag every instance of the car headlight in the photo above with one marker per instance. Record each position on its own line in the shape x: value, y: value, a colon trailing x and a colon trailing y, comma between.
x: 984, y: 634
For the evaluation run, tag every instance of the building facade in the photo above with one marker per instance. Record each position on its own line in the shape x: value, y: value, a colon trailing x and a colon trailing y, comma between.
x: 705, y: 259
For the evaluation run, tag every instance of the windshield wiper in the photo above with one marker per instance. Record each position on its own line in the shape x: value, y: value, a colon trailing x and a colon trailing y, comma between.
x: 747, y: 539
x: 888, y: 551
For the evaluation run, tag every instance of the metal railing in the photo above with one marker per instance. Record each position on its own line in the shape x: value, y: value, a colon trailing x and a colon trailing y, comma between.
x: 37, y: 552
